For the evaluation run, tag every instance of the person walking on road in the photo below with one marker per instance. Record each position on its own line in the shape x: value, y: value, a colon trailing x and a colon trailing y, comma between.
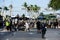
x: 38, y: 26
x: 27, y: 26
x: 8, y: 25
x: 43, y: 29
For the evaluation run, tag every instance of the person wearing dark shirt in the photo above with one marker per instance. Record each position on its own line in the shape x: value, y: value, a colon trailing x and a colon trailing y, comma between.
x: 43, y: 29
x: 55, y: 25
x: 38, y: 26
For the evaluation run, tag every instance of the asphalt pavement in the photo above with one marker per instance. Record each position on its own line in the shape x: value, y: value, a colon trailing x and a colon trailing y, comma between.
x: 51, y: 34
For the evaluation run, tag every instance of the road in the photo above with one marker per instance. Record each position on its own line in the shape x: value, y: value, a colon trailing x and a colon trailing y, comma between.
x: 51, y: 34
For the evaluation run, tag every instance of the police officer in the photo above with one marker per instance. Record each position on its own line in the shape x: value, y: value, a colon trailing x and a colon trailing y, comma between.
x: 43, y: 29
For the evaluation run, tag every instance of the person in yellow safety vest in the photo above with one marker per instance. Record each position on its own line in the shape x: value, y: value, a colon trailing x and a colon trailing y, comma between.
x: 8, y: 25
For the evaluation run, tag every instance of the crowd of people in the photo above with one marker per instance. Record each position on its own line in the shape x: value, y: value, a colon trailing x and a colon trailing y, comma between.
x: 27, y: 25
x: 53, y: 24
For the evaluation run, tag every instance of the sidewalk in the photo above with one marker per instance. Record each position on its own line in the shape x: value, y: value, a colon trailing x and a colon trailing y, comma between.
x: 3, y: 30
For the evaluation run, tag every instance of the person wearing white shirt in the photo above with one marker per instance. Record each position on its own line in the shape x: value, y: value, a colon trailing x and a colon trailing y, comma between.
x: 26, y: 26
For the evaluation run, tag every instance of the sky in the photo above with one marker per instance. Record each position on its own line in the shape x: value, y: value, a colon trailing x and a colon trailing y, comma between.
x: 17, y: 5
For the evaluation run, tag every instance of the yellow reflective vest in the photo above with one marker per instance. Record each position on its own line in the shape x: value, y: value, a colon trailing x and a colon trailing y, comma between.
x: 7, y: 23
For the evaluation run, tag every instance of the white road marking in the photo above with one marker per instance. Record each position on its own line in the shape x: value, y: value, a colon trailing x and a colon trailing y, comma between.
x: 7, y: 39
x: 31, y: 33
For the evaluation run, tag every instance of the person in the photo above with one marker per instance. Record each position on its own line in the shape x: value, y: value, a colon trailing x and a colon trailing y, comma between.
x: 38, y: 24
x: 27, y: 26
x: 13, y: 28
x: 8, y: 25
x: 56, y: 23
x: 43, y: 29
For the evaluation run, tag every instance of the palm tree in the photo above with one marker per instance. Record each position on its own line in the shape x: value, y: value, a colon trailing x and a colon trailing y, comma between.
x: 23, y: 15
x: 33, y: 8
x: 25, y: 5
x: 30, y: 9
x: 0, y: 10
x: 5, y: 9
x: 10, y: 6
x: 36, y: 8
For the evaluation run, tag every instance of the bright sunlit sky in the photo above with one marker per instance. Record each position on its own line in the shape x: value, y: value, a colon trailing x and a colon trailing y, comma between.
x: 17, y: 5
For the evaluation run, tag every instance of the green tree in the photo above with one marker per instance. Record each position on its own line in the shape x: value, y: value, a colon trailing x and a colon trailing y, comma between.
x: 23, y: 15
x: 55, y: 4
x: 0, y: 10
x: 5, y: 9
x: 25, y: 5
x: 10, y: 6
x: 36, y: 8
x: 30, y: 9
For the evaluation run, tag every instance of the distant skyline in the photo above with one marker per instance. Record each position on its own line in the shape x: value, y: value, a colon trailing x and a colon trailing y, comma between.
x: 17, y: 5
